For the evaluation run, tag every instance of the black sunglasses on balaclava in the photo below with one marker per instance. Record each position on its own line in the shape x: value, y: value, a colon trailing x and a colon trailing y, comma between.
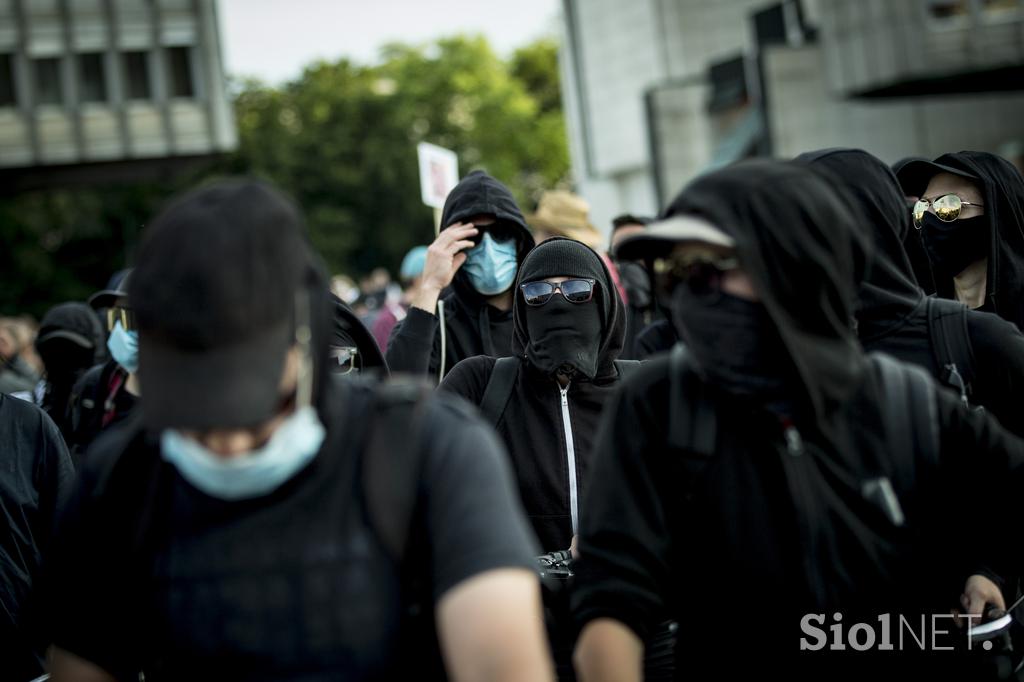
x: 565, y: 325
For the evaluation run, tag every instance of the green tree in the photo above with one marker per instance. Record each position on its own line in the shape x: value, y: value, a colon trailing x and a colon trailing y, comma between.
x: 341, y: 139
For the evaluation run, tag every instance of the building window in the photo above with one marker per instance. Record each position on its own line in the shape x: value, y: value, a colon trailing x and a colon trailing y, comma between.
x: 6, y: 81
x: 47, y: 73
x: 92, y: 78
x: 998, y: 9
x: 136, y: 75
x: 179, y: 61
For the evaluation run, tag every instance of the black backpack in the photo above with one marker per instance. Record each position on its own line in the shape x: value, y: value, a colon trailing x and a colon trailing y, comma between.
x: 910, y: 418
x: 951, y: 344
x: 503, y: 379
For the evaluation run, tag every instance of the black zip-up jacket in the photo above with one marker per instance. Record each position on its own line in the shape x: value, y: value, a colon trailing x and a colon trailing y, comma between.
x: 892, y: 315
x: 737, y: 541
x: 533, y: 426
x: 472, y: 327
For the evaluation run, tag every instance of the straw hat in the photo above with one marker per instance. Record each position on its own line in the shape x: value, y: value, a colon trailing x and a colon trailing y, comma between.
x: 564, y: 214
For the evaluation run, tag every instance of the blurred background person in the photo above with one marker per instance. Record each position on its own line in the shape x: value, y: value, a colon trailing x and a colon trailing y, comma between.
x: 70, y: 341
x: 396, y: 306
x: 18, y: 373
x: 107, y: 393
x: 970, y: 212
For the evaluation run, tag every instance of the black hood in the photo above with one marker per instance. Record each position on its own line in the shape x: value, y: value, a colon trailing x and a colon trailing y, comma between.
x: 588, y: 265
x: 348, y: 330
x: 800, y: 246
x: 476, y: 194
x: 889, y: 292
x: 1003, y: 189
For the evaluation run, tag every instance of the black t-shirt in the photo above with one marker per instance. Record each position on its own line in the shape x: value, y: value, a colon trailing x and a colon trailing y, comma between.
x: 36, y: 478
x: 291, y: 585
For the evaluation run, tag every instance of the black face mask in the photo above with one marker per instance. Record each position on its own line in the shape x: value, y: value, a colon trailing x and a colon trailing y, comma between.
x: 735, y: 343
x: 953, y: 246
x: 564, y: 337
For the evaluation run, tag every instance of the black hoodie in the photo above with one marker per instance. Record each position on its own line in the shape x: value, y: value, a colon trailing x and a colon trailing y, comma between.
x: 892, y: 315
x: 1003, y: 189
x: 533, y: 425
x: 739, y: 537
x: 471, y: 326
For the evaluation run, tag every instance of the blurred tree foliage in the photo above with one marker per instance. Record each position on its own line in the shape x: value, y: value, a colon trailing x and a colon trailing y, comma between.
x: 341, y: 139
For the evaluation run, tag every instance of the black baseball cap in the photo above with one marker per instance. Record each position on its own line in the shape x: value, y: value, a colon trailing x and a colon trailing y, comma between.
x: 215, y: 287
x: 117, y: 290
x: 914, y: 174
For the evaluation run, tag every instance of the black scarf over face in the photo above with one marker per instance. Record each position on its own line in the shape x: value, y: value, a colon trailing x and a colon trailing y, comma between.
x: 889, y: 292
x: 582, y: 340
x: 798, y: 243
x: 1002, y: 187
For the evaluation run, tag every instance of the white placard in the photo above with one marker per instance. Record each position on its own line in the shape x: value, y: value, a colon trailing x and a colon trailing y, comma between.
x: 439, y: 173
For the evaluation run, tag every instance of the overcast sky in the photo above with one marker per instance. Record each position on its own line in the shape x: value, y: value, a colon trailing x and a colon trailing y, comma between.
x: 274, y: 39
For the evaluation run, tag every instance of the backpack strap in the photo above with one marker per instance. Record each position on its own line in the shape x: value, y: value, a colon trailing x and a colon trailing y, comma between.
x: 499, y: 389
x: 911, y: 418
x: 692, y: 421
x: 951, y: 344
x: 391, y: 462
x: 626, y: 367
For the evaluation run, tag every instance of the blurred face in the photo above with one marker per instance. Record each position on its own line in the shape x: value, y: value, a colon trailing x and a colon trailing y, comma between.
x: 707, y: 266
x: 232, y: 443
x: 625, y: 231
x: 8, y: 348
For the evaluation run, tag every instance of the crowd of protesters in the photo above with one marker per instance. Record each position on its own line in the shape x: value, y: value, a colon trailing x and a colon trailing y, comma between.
x: 725, y: 442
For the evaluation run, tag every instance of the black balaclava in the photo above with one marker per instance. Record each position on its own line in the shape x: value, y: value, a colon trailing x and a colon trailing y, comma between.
x: 798, y: 243
x: 580, y: 339
x: 889, y: 293
x: 1002, y: 187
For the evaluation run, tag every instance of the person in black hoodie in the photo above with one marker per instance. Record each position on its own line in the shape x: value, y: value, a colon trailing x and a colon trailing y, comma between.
x: 770, y: 472
x: 565, y: 352
x: 971, y: 216
x: 569, y: 331
x: 893, y: 313
x: 474, y: 259
x: 69, y: 342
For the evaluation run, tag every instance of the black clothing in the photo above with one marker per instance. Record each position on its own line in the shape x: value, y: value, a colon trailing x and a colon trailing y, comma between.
x: 1003, y: 189
x: 736, y: 537
x: 472, y: 327
x: 549, y: 455
x: 98, y: 400
x: 731, y: 563
x: 640, y: 308
x: 294, y: 584
x: 36, y: 480
x: 348, y: 330
x: 657, y: 338
x: 70, y: 341
x: 892, y: 316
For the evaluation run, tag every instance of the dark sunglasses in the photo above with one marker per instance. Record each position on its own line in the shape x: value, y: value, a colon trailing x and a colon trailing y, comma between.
x: 700, y: 272
x: 126, y: 316
x: 500, y: 232
x: 572, y: 290
x: 947, y: 208
x: 344, y: 359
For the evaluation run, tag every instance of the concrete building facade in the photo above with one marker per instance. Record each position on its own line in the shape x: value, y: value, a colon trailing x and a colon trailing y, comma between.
x: 658, y: 91
x: 90, y: 85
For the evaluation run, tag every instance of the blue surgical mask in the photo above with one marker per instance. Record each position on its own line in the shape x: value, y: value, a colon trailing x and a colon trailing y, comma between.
x: 491, y: 266
x: 124, y: 347
x: 292, y: 446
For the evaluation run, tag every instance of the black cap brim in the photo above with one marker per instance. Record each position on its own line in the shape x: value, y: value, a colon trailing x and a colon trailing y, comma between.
x: 107, y: 298
x: 66, y: 335
x: 915, y: 175
x: 234, y: 386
